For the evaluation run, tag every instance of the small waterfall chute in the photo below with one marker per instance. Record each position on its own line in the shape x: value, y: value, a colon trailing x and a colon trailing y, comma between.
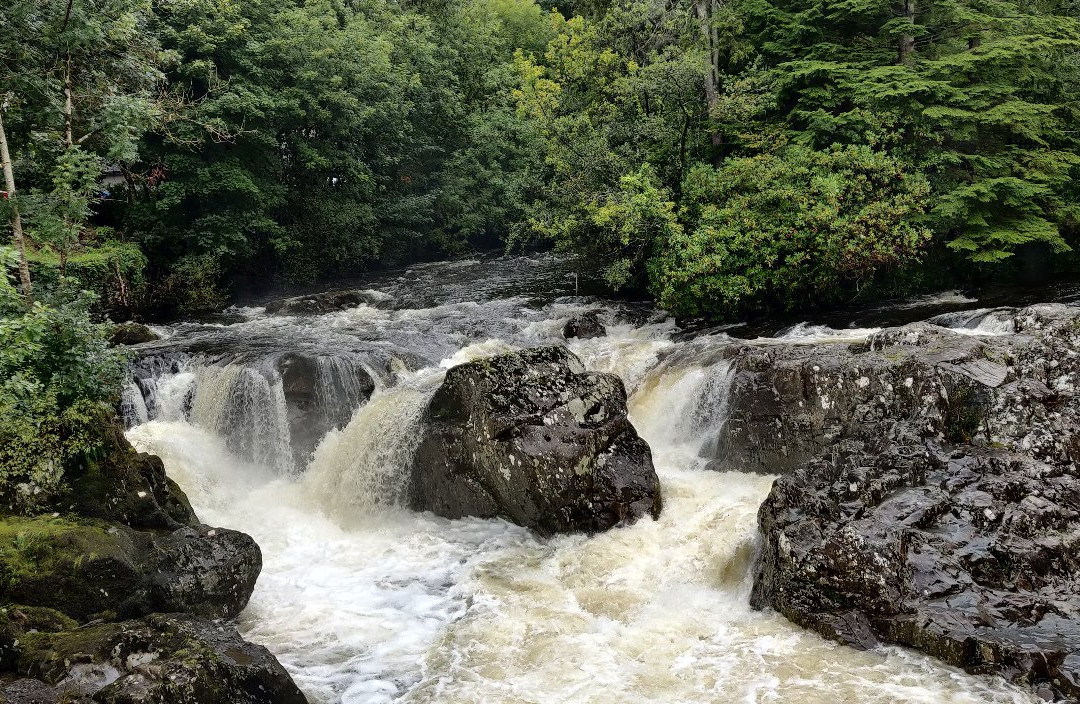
x: 684, y: 405
x: 246, y: 406
x: 365, y: 467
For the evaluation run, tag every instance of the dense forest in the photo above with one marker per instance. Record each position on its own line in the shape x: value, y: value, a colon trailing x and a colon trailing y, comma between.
x: 725, y: 156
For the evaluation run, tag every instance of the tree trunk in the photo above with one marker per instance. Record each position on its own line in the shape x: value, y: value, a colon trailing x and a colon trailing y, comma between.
x: 706, y: 10
x: 907, y: 41
x: 16, y: 219
x: 69, y: 105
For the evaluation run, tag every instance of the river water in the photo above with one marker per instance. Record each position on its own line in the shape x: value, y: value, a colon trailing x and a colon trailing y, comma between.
x: 365, y: 602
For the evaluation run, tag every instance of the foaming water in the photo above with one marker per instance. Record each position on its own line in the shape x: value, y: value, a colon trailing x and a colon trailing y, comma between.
x: 657, y: 612
x: 348, y: 607
x: 991, y: 322
x: 365, y: 602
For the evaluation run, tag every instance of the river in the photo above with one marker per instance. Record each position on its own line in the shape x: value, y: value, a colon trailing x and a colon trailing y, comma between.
x: 365, y: 602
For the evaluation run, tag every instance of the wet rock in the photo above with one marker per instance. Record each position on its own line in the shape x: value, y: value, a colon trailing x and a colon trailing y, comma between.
x: 585, y: 326
x: 533, y: 438
x: 116, y: 483
x: 941, y: 509
x: 791, y: 402
x: 31, y: 691
x: 162, y: 659
x: 321, y: 394
x: 326, y: 302
x: 132, y: 334
x: 89, y: 569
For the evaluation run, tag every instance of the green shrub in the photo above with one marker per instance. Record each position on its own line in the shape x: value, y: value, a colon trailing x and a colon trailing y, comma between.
x: 790, y: 228
x: 59, y: 379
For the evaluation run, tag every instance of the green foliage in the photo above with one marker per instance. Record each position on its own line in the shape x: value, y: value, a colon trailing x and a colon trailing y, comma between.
x: 794, y: 228
x: 58, y: 376
x: 113, y: 271
x: 305, y: 139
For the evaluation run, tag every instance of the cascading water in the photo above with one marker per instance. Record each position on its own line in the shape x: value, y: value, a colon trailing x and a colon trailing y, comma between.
x: 363, y: 468
x: 246, y: 406
x: 366, y: 602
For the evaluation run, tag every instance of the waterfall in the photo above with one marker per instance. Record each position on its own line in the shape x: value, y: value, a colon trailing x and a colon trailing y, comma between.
x: 246, y: 406
x: 133, y: 409
x: 340, y: 387
x: 365, y: 466
x: 364, y: 602
x: 683, y: 406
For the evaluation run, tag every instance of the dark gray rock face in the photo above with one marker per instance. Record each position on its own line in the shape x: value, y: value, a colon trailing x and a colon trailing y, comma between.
x: 326, y: 302
x: 942, y: 508
x: 791, y: 402
x: 162, y: 659
x: 321, y: 394
x: 585, y: 326
x: 533, y: 438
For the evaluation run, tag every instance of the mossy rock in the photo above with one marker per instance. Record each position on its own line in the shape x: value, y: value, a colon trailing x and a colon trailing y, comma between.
x: 162, y: 659
x: 120, y: 484
x: 91, y: 569
x: 132, y: 334
x: 17, y: 620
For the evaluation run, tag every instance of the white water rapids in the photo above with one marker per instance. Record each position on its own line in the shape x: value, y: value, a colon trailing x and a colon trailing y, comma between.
x: 365, y: 602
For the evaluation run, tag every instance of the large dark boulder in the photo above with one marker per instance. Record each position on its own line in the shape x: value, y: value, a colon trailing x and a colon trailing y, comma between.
x: 92, y: 569
x: 971, y: 555
x: 116, y: 483
x: 941, y: 507
x: 533, y: 438
x: 162, y: 659
x: 791, y: 402
x: 132, y: 334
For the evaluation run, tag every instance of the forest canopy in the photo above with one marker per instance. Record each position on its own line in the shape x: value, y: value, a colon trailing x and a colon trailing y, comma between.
x: 725, y: 156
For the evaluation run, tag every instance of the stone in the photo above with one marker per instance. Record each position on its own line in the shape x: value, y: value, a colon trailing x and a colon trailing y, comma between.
x: 132, y: 334
x: 532, y: 437
x: 929, y: 494
x: 585, y: 326
x: 326, y: 302
x: 161, y: 659
x: 88, y: 569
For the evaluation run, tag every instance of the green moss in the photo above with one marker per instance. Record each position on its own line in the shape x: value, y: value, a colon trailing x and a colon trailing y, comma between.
x: 82, y: 568
x: 32, y: 546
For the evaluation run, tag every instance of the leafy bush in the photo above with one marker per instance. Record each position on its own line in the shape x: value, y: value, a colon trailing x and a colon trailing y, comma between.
x: 115, y: 271
x: 192, y: 285
x: 795, y: 227
x: 58, y: 379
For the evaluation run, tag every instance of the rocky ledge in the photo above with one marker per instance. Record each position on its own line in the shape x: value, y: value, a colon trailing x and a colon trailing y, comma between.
x: 930, y: 497
x: 118, y: 593
x: 532, y: 437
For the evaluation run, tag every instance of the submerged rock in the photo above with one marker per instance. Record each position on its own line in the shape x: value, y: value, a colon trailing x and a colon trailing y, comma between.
x: 942, y: 508
x: 162, y: 659
x: 326, y: 302
x: 585, y: 326
x: 532, y: 437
